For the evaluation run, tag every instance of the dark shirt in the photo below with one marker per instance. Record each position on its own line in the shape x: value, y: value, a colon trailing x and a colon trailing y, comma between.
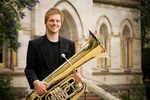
x: 54, y: 53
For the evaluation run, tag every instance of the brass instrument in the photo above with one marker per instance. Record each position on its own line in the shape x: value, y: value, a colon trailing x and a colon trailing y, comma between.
x: 62, y: 83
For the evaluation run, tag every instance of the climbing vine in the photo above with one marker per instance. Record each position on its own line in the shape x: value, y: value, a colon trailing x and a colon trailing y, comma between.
x: 11, y: 11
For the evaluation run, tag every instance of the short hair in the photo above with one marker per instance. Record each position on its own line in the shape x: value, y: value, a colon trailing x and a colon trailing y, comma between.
x: 53, y: 11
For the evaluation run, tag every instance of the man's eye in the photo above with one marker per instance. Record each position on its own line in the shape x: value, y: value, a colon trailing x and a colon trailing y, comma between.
x: 57, y: 20
x: 51, y: 20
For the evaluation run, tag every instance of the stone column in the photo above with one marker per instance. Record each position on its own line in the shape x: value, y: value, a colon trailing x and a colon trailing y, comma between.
x: 13, y: 58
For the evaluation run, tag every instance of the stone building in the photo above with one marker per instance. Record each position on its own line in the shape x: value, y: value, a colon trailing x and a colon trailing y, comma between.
x: 115, y: 24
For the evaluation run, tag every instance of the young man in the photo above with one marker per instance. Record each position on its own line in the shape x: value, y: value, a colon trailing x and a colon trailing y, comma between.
x: 44, y: 53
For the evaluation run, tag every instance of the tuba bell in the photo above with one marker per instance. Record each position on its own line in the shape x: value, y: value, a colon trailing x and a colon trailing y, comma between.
x: 62, y: 83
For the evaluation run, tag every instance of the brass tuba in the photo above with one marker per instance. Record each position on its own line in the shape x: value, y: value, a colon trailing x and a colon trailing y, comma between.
x: 62, y: 83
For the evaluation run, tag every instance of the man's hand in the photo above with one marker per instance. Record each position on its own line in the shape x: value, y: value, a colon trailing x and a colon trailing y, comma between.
x: 40, y: 87
x: 78, y: 77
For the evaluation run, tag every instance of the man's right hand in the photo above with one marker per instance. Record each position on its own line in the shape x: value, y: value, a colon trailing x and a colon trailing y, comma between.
x: 40, y: 87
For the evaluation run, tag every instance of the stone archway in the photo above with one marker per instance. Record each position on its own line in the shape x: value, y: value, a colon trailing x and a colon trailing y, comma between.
x: 72, y: 22
x: 69, y: 29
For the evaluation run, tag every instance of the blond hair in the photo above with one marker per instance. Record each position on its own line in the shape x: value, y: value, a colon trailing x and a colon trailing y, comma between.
x: 53, y: 11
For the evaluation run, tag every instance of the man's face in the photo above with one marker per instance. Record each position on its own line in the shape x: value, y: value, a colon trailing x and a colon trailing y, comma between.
x: 53, y: 23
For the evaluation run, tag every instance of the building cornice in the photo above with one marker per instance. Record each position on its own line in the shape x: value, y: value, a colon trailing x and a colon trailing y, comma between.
x: 123, y: 3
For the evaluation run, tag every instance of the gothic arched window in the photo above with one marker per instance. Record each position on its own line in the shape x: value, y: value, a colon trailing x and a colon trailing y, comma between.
x: 126, y: 48
x: 104, y: 63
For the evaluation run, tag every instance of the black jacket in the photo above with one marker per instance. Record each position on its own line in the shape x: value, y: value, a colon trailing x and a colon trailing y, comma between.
x: 37, y: 63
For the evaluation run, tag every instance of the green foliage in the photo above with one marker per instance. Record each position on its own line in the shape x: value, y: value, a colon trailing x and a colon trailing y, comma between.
x: 145, y: 58
x: 6, y: 91
x: 138, y: 90
x: 145, y: 22
x: 135, y: 92
x: 10, y: 13
x: 124, y: 95
x: 145, y: 33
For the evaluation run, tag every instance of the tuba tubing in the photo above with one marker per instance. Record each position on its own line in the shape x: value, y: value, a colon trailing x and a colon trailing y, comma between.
x: 91, y: 49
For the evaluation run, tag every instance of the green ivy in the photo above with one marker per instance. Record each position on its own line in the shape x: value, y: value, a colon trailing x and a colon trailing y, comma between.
x: 145, y: 34
x: 10, y: 13
x: 6, y: 90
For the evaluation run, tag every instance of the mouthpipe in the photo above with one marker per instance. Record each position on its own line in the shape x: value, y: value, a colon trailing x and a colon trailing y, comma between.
x: 64, y: 56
